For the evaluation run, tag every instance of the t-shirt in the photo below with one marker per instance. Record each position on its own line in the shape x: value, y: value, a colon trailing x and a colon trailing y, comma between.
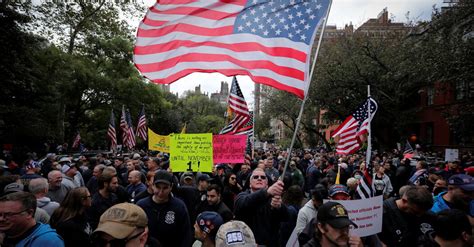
x: 379, y: 185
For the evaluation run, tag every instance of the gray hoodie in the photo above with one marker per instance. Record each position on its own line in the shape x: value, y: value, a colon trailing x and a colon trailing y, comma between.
x: 46, y: 204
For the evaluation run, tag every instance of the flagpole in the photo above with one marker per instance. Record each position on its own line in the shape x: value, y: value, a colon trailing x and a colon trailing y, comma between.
x: 369, y: 137
x: 306, y: 92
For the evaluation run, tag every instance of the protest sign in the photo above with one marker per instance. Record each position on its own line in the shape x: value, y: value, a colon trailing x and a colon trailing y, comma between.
x: 366, y: 214
x: 191, y: 152
x: 158, y: 142
x: 229, y: 148
x: 451, y: 154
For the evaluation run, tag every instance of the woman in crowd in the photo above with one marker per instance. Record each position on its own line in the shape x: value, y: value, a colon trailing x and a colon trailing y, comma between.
x: 231, y: 190
x: 70, y: 220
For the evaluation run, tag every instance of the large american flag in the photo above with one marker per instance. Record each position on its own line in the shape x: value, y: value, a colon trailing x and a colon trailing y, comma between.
x: 353, y: 127
x: 141, y: 126
x: 242, y: 123
x: 111, y: 133
x: 270, y: 41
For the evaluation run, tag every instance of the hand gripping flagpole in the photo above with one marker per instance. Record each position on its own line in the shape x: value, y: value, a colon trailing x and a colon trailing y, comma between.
x: 306, y: 91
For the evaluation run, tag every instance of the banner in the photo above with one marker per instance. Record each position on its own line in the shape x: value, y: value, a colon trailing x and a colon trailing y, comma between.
x: 229, y: 148
x: 191, y: 152
x: 158, y: 142
x: 366, y: 214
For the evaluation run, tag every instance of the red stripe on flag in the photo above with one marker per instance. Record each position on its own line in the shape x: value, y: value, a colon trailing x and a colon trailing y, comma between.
x: 187, y: 28
x: 197, y: 11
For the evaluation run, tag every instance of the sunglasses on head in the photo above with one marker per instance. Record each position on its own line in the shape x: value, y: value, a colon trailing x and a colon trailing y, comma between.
x: 261, y: 177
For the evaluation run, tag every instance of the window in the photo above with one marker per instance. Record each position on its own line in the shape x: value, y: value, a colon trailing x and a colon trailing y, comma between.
x: 464, y: 90
x: 430, y: 96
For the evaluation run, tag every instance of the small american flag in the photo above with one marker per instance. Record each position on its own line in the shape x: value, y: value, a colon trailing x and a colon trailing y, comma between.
x: 141, y: 126
x: 242, y: 122
x: 111, y: 133
x: 364, y: 188
x: 354, y: 126
x: 124, y: 127
x: 131, y: 133
x: 270, y: 41
x: 77, y: 140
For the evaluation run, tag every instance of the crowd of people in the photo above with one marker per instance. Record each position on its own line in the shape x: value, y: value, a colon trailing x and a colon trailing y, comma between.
x: 137, y: 200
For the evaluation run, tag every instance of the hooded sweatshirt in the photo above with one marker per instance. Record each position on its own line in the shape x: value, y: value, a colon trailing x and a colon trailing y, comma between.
x: 46, y: 204
x: 42, y: 235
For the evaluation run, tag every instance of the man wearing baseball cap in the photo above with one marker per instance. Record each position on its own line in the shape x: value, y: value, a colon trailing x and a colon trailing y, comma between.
x: 206, y: 226
x: 168, y: 217
x: 339, y: 192
x: 332, y: 227
x: 459, y: 195
x: 124, y: 224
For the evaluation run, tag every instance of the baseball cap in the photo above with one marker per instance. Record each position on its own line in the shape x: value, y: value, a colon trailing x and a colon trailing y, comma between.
x: 188, y: 175
x: 334, y: 214
x: 32, y: 164
x: 338, y: 188
x: 65, y: 168
x: 162, y: 176
x: 121, y: 220
x: 209, y: 222
x: 204, y: 177
x: 235, y: 233
x: 463, y: 181
x: 13, y: 187
x: 64, y: 159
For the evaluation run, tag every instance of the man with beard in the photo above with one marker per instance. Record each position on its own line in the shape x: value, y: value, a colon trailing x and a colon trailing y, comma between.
x: 459, y: 195
x: 104, y: 198
x: 332, y: 228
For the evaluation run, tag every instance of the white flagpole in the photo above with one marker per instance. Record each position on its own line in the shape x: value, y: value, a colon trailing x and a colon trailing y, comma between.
x: 298, y: 120
x: 369, y: 137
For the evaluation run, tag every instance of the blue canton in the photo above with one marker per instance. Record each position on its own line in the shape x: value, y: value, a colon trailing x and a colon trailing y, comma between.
x: 292, y: 19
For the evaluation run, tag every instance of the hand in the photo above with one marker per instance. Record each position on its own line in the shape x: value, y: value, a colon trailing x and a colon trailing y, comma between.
x: 355, y: 241
x: 276, y: 202
x: 276, y: 189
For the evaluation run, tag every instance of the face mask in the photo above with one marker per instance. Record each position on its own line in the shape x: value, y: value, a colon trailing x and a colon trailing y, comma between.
x: 358, y: 177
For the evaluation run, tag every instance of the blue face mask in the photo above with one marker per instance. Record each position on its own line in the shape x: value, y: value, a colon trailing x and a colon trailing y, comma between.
x: 357, y: 176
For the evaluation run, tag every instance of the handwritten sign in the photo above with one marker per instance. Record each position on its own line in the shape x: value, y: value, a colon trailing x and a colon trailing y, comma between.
x: 158, y: 142
x: 366, y: 214
x: 191, y: 152
x: 451, y: 154
x: 229, y: 148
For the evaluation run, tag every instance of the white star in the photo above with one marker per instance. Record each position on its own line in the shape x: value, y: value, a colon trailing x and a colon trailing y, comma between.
x: 277, y: 14
x: 271, y: 3
x: 248, y: 23
x: 308, y: 11
x: 303, y: 37
x: 253, y: 30
x: 302, y: 21
x: 241, y: 28
x: 255, y: 1
x: 312, y: 17
x: 253, y: 11
x: 265, y: 32
x: 278, y: 31
x: 287, y: 10
x: 274, y: 9
x: 264, y: 15
x: 293, y: 25
x: 282, y: 20
x: 261, y: 26
x: 290, y: 35
x: 269, y: 20
x: 261, y: 7
x: 244, y: 16
x: 307, y: 26
x: 296, y: 6
x: 273, y: 26
x: 298, y: 31
x: 305, y: 3
x: 286, y: 27
x: 290, y: 17
x: 319, y: 6
x: 299, y: 14
x: 256, y: 19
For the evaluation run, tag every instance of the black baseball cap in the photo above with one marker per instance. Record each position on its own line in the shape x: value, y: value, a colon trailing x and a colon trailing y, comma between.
x: 162, y: 176
x: 334, y: 214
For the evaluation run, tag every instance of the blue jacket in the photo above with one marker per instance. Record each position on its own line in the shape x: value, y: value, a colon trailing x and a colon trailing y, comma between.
x: 439, y: 204
x: 43, y: 235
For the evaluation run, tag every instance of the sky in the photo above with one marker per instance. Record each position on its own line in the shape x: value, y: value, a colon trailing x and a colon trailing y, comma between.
x: 342, y: 12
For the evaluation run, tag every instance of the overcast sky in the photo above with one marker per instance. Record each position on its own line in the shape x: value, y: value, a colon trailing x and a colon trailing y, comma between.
x: 342, y: 12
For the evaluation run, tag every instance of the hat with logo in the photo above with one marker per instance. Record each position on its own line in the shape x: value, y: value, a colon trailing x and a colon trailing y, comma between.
x: 32, y: 164
x: 463, y: 181
x: 66, y: 167
x: 338, y: 188
x: 162, y: 176
x: 13, y: 187
x: 209, y: 222
x: 235, y: 233
x: 120, y: 220
x: 334, y: 214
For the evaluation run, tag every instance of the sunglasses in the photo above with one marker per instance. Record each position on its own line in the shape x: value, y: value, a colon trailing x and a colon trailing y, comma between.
x: 261, y: 177
x: 100, y: 242
x: 232, y: 178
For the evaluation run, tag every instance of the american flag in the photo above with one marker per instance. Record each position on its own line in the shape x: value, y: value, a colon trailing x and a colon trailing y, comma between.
x: 242, y: 123
x: 354, y: 126
x: 77, y: 140
x: 131, y: 133
x: 111, y: 133
x: 408, y: 153
x: 124, y: 127
x: 364, y: 188
x: 141, y: 126
x: 270, y: 41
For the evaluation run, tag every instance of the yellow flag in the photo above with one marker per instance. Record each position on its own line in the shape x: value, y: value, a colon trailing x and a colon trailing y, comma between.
x: 338, y: 175
x: 158, y: 142
x: 183, y: 130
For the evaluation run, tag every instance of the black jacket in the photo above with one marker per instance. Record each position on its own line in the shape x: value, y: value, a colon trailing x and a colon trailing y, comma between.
x: 255, y: 210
